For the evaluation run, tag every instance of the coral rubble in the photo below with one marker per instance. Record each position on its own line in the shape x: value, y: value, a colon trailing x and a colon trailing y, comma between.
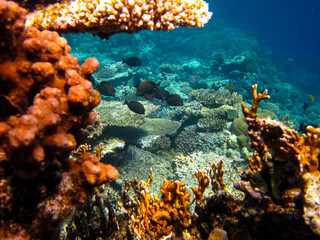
x: 46, y: 98
x: 112, y: 16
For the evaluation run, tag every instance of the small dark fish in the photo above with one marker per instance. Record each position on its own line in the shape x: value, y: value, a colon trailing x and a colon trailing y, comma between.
x: 132, y: 61
x: 161, y: 94
x: 136, y: 80
x: 106, y: 88
x: 174, y: 100
x: 146, y: 87
x: 135, y: 106
x: 305, y: 105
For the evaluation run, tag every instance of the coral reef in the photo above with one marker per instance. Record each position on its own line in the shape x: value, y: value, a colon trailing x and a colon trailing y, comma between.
x: 160, y: 143
x: 214, y: 99
x: 117, y: 114
x: 109, y: 17
x: 170, y: 216
x: 279, y: 190
x: 280, y: 185
x: 160, y: 126
x: 53, y: 99
x: 245, y: 62
x: 100, y: 216
x: 240, y: 129
x: 183, y: 165
x: 137, y: 162
x: 186, y: 141
x: 290, y: 161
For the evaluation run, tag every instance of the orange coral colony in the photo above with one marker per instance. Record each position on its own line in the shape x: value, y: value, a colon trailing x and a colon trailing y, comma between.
x: 112, y: 16
x: 46, y: 98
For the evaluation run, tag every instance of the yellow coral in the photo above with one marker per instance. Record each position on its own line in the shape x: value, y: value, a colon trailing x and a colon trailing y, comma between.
x: 306, y: 149
x: 254, y: 162
x: 112, y: 16
x: 99, y: 151
x: 153, y: 218
x: 256, y: 100
x: 204, y: 181
x: 83, y: 148
x: 216, y: 176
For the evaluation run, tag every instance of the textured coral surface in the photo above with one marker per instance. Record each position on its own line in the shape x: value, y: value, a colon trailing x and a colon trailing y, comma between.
x: 112, y: 16
x: 45, y: 100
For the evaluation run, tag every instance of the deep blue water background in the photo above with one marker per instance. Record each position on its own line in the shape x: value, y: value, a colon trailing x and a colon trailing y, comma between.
x: 291, y: 27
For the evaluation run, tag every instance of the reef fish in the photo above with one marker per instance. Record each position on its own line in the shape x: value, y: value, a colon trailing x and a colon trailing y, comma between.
x: 232, y: 114
x: 305, y: 105
x: 174, y: 100
x: 132, y: 61
x: 106, y: 88
x: 161, y: 94
x: 230, y: 87
x: 135, y: 106
x: 146, y: 87
x: 311, y: 97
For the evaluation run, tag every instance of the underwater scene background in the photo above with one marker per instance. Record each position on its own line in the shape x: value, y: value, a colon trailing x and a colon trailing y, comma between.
x: 198, y: 154
x: 212, y: 69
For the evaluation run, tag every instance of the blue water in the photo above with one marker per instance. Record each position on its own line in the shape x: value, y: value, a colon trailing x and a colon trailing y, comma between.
x: 290, y: 27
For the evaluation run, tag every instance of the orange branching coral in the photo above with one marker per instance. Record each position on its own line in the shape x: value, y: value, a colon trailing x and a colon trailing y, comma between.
x: 204, y: 181
x: 288, y: 162
x: 216, y: 176
x: 256, y: 100
x: 46, y: 98
x: 154, y: 218
x: 306, y: 149
x: 112, y: 16
x: 254, y: 163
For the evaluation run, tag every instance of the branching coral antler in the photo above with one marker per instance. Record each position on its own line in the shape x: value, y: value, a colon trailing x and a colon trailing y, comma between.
x: 112, y: 16
x: 256, y: 100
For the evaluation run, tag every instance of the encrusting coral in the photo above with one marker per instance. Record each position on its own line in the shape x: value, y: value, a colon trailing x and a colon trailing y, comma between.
x: 46, y: 98
x: 112, y: 16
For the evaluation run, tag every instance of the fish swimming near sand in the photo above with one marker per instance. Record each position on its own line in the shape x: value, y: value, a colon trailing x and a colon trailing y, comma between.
x: 132, y: 61
x: 174, y: 100
x: 135, y: 106
x: 106, y: 88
